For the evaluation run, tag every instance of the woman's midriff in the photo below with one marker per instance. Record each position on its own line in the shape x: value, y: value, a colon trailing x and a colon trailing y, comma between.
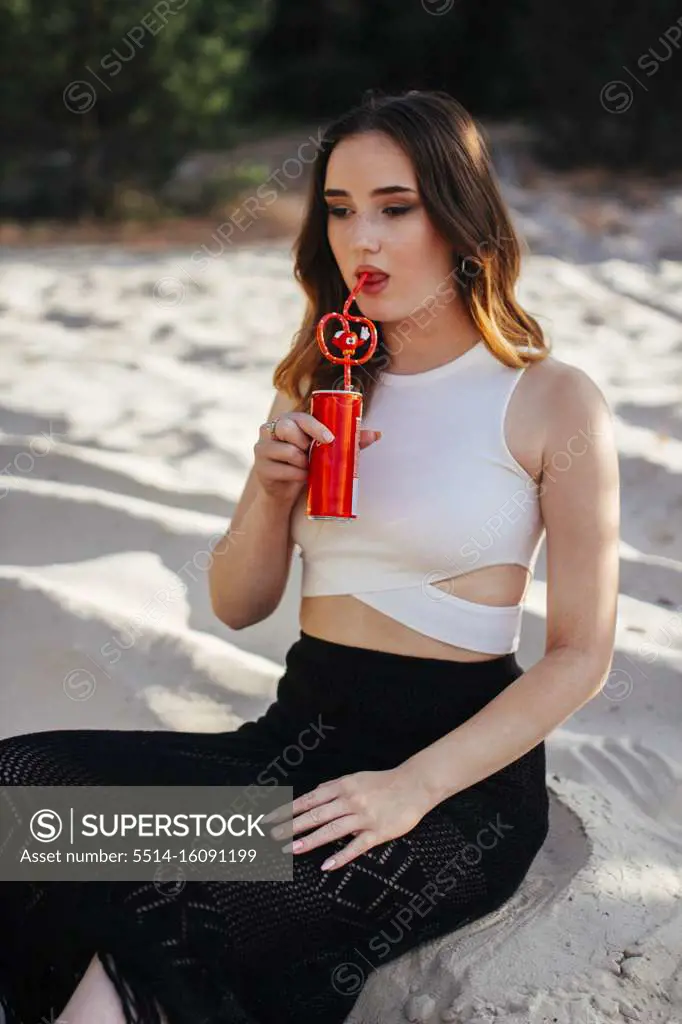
x: 344, y: 619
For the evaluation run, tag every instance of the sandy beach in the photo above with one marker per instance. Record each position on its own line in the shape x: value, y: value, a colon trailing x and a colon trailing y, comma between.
x: 131, y: 390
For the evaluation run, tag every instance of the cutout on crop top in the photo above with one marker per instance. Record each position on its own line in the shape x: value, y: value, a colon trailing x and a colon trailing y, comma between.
x: 440, y: 496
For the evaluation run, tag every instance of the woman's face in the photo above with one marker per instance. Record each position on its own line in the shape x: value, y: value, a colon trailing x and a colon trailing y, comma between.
x: 391, y: 231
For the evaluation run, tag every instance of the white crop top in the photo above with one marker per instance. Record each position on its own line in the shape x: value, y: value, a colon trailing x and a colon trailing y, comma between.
x: 439, y: 495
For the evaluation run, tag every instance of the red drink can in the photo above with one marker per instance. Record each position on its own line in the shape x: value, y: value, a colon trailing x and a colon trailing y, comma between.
x: 333, y: 468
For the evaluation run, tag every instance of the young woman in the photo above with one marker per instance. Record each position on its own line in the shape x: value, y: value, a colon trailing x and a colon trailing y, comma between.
x: 420, y: 802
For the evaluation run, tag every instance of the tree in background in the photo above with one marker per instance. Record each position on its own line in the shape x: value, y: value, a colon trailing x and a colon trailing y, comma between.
x: 94, y: 92
x: 97, y: 95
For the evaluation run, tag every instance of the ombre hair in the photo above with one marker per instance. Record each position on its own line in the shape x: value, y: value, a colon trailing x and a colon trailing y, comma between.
x: 461, y: 196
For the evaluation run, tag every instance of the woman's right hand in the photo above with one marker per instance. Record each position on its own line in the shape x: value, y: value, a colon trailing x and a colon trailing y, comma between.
x: 281, y: 463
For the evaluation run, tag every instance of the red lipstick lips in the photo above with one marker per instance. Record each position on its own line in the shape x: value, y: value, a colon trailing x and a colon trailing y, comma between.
x: 376, y: 280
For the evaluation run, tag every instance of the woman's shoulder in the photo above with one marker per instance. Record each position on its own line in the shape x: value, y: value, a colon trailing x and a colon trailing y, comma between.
x: 553, y: 378
x: 564, y: 396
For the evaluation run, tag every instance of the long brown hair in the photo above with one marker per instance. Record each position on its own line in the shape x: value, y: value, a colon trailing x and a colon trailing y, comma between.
x: 461, y: 197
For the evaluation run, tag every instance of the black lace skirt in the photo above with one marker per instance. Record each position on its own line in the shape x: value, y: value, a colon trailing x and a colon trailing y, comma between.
x: 256, y: 952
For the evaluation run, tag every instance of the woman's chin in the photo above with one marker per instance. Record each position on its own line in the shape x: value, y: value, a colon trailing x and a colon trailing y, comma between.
x: 376, y: 307
x: 385, y: 311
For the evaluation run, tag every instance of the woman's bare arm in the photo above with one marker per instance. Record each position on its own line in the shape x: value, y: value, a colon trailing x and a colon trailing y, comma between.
x: 251, y: 562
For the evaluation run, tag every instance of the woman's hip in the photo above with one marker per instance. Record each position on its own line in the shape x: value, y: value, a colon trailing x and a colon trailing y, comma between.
x: 373, y: 707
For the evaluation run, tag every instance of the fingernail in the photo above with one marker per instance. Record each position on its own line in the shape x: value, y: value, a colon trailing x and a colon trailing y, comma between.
x: 377, y: 435
x: 329, y: 863
x: 327, y: 435
x: 293, y: 847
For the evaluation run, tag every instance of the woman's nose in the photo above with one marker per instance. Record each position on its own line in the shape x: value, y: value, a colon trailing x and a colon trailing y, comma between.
x: 366, y: 243
x: 366, y: 235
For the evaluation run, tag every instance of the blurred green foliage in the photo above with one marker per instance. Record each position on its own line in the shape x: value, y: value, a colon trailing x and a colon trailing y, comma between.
x: 100, y: 101
x: 96, y: 94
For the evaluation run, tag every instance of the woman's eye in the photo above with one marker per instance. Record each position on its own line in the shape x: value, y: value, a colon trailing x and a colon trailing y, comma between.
x: 393, y: 211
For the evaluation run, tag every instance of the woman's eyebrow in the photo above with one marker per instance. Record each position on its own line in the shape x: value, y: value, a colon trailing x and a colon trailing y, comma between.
x: 385, y: 190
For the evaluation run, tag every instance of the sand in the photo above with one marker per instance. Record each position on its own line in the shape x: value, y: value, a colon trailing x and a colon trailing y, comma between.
x: 131, y: 390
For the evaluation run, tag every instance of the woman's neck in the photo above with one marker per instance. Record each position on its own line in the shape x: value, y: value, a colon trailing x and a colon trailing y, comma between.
x: 418, y: 343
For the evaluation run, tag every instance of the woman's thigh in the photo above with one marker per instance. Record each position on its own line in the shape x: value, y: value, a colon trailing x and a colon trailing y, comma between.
x: 460, y: 861
x: 132, y: 757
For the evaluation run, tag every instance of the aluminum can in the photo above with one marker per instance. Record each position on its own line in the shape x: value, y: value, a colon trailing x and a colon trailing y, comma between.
x: 333, y: 468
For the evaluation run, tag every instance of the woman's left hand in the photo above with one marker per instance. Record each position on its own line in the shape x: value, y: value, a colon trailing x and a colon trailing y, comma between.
x: 373, y: 806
